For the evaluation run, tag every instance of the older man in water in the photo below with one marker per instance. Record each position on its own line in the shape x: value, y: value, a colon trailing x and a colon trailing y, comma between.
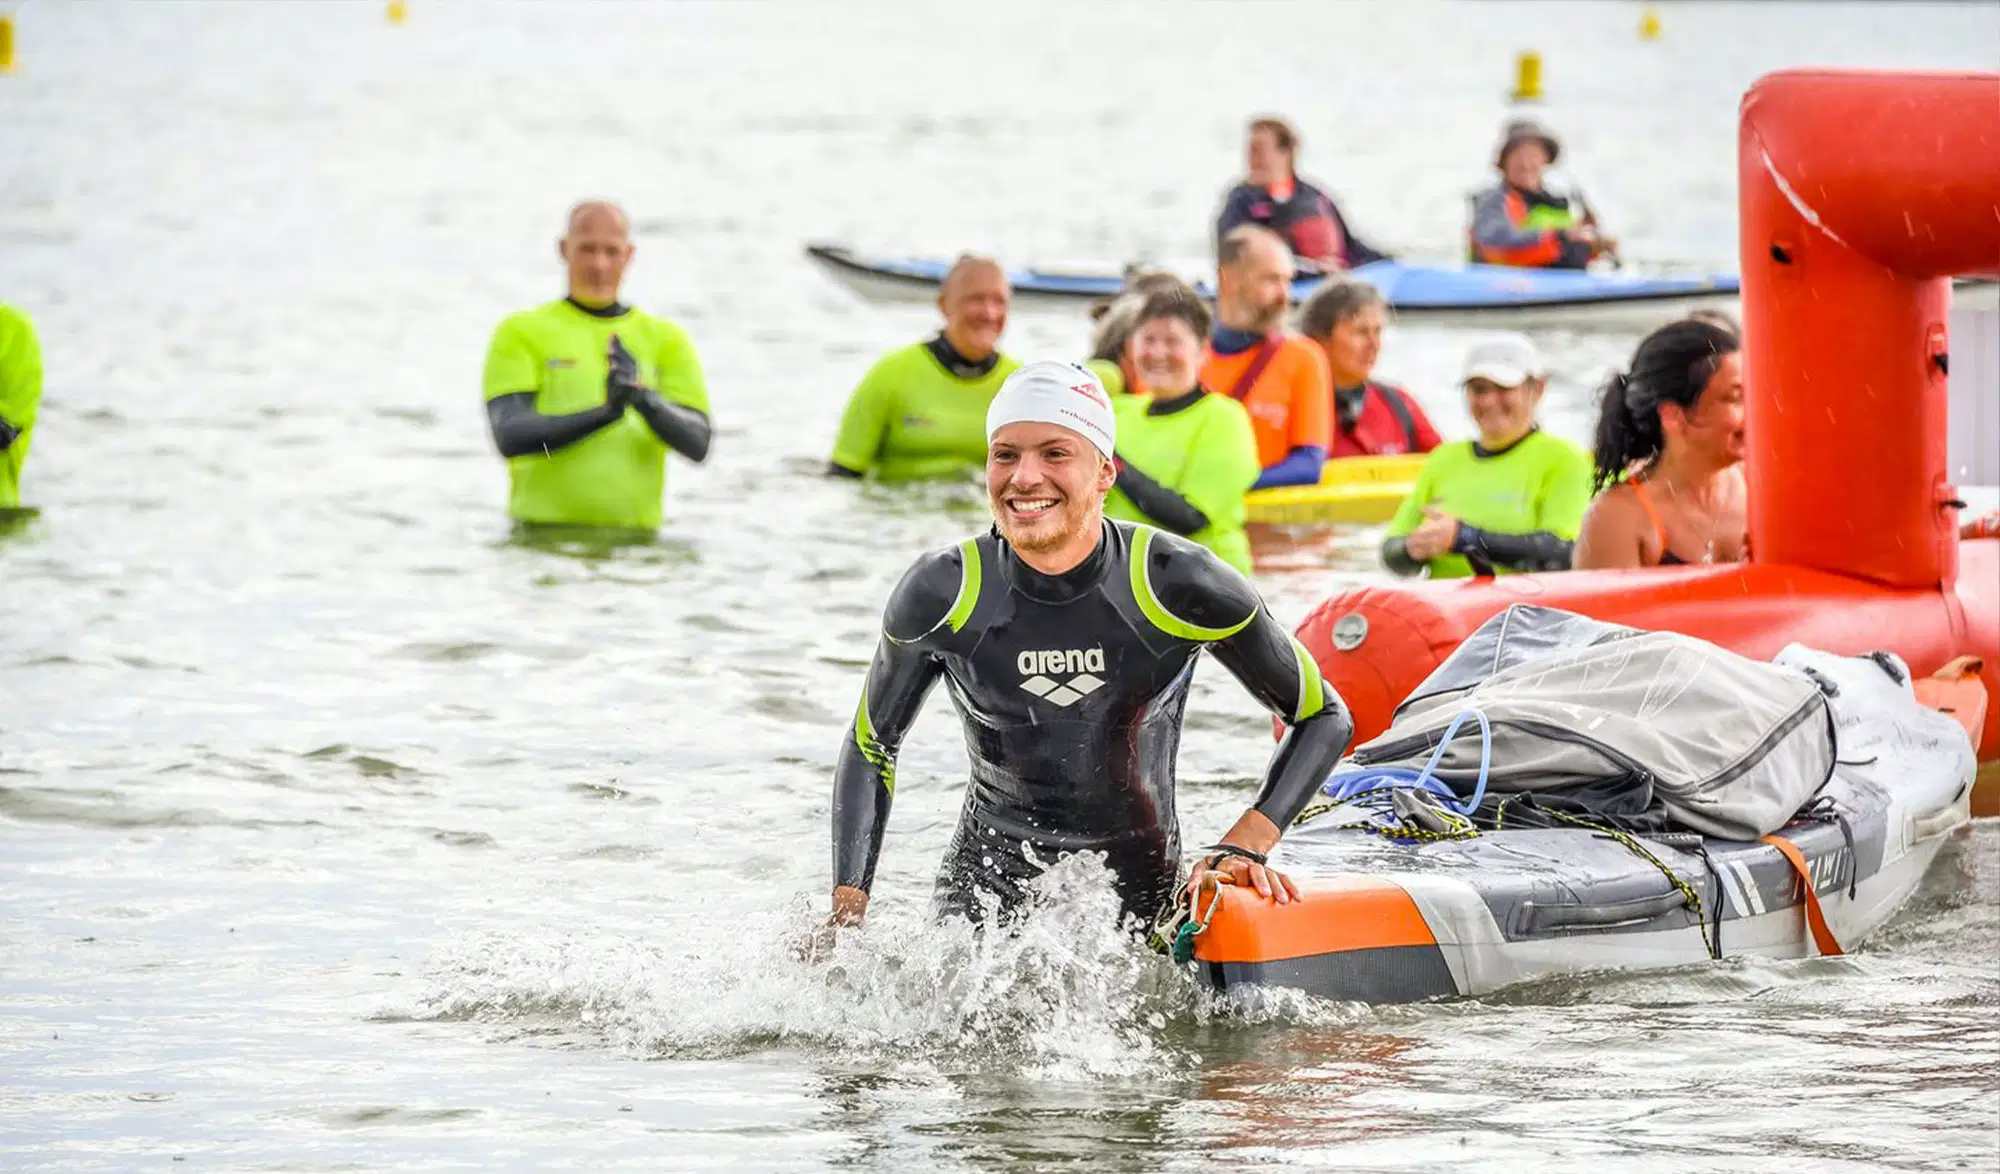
x: 585, y: 395
x: 920, y: 411
x: 1068, y: 643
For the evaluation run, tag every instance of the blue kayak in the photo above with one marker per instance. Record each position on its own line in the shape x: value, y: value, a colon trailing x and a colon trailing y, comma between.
x: 1498, y: 293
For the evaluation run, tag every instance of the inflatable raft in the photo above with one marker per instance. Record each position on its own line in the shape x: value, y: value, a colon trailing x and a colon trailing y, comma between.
x: 1393, y: 912
x: 1493, y: 295
x: 1351, y: 490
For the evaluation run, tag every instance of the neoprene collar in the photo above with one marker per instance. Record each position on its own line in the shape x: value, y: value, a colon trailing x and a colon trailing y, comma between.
x: 1227, y: 340
x: 614, y: 310
x: 1347, y: 405
x: 1079, y: 580
x: 957, y: 364
x: 1481, y: 451
x: 1180, y: 403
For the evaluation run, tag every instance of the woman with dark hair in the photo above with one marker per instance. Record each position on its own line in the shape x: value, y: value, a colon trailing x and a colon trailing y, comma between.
x: 1370, y: 418
x: 1185, y: 457
x: 1670, y: 456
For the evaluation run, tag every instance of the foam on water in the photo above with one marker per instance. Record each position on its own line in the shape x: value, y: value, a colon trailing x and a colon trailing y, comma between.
x: 1063, y: 991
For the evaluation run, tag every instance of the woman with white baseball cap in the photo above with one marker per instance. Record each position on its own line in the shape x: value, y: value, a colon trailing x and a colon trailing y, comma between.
x: 1511, y: 500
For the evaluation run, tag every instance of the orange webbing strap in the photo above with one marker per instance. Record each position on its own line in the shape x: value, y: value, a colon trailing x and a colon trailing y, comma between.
x: 1815, y: 919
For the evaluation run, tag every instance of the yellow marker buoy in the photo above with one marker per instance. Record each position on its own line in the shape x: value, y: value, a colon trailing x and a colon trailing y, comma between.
x: 1528, y: 76
x: 6, y: 43
x: 1649, y: 26
x: 398, y: 12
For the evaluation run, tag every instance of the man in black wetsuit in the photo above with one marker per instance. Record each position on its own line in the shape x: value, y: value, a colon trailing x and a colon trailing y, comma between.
x: 1068, y: 643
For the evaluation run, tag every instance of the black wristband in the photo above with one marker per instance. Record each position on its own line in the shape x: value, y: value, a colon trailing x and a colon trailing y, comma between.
x: 1225, y: 850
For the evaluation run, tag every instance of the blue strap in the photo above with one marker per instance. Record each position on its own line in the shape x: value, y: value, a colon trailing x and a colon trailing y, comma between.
x: 1346, y: 785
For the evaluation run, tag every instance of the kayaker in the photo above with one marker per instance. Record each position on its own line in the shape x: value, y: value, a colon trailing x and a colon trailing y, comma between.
x: 20, y: 398
x: 1370, y: 418
x: 1068, y: 642
x: 1280, y: 379
x: 1670, y: 442
x: 585, y: 395
x: 1274, y: 196
x: 920, y: 411
x: 1510, y: 500
x: 1185, y: 457
x: 1518, y: 221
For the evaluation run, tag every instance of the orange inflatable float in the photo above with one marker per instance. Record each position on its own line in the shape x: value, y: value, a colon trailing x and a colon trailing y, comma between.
x: 1863, y: 194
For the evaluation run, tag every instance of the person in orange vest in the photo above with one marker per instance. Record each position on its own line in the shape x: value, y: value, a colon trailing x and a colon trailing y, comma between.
x: 1370, y: 418
x: 1273, y: 195
x: 1280, y: 379
x: 1519, y: 222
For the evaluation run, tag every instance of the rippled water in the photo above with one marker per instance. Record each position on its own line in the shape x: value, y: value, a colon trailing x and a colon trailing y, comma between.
x: 340, y: 831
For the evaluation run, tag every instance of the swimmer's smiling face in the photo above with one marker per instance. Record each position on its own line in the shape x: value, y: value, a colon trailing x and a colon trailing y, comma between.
x: 1046, y: 485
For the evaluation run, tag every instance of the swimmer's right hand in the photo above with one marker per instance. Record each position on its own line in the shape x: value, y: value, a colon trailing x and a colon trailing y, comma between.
x: 849, y: 906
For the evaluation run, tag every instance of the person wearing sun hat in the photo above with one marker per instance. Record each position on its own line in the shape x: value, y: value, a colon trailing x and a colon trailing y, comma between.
x: 1519, y: 222
x: 1068, y: 643
x: 1510, y: 500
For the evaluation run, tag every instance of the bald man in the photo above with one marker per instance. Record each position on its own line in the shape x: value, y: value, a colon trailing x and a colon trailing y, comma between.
x: 920, y: 412
x: 585, y: 395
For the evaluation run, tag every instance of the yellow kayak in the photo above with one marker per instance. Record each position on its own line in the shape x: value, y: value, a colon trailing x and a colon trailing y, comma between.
x: 1351, y: 489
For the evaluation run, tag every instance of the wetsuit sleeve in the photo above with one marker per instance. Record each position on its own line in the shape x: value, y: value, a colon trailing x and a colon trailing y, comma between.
x: 865, y: 423
x: 1492, y: 228
x: 905, y: 667
x: 518, y: 429
x: 1539, y: 551
x: 1301, y: 466
x: 1191, y: 593
x: 1159, y: 503
x: 684, y: 429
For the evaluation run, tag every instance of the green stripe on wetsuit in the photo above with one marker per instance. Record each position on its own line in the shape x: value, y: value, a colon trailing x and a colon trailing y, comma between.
x: 1071, y: 688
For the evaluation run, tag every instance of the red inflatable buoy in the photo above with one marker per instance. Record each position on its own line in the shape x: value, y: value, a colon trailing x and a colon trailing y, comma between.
x: 1863, y: 193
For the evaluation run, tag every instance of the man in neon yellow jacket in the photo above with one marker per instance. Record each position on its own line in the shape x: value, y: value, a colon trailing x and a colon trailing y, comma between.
x: 920, y: 411
x: 585, y: 395
x: 20, y: 395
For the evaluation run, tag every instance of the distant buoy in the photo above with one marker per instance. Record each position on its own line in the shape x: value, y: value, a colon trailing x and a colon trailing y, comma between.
x: 398, y: 12
x: 1649, y: 26
x: 6, y: 43
x: 1528, y: 76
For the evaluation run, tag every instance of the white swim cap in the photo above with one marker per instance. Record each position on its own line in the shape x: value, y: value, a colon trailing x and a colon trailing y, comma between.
x: 1050, y: 391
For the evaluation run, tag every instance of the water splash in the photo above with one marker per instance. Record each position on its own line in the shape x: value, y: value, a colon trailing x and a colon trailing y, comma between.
x: 1062, y: 993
